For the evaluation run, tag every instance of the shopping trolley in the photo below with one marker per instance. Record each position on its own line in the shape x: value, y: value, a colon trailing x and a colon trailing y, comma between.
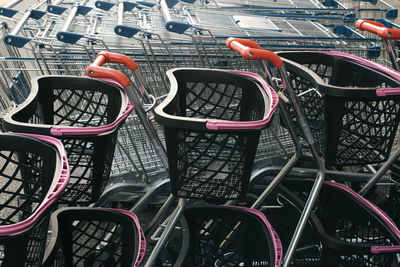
x: 34, y: 173
x: 213, y: 182
x: 335, y: 247
x: 85, y: 114
x: 351, y: 114
x: 95, y: 236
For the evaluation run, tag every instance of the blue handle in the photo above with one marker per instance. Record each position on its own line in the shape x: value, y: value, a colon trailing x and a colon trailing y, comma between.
x: 388, y: 24
x: 54, y: 9
x: 178, y: 27
x: 171, y: 3
x: 188, y: 1
x: 15, y: 40
x: 83, y: 10
x: 370, y: 1
x: 69, y: 37
x: 374, y: 50
x: 144, y: 3
x: 343, y: 30
x: 392, y: 13
x: 103, y: 5
x: 37, y: 14
x: 330, y: 3
x: 8, y: 12
x: 126, y: 31
x: 128, y: 6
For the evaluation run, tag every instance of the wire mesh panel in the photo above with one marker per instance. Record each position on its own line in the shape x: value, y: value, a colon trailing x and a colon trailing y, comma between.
x: 208, y: 161
x: 85, y: 114
x: 351, y: 123
x: 95, y: 237
x: 29, y: 182
x: 230, y: 236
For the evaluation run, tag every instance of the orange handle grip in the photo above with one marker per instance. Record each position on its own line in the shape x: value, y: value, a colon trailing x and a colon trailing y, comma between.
x: 378, y: 29
x: 250, y: 50
x: 95, y: 70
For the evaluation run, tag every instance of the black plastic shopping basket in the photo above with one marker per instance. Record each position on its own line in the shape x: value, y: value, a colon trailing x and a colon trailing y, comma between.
x: 212, y: 121
x: 231, y: 236
x: 353, y: 111
x: 85, y: 114
x: 95, y: 237
x: 34, y: 172
x: 353, y: 231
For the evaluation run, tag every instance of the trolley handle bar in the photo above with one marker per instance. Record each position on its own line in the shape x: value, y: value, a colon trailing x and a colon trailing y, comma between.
x: 378, y: 29
x: 96, y: 70
x: 250, y: 50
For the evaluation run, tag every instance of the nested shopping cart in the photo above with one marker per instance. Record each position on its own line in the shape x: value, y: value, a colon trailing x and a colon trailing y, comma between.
x: 85, y: 114
x: 354, y: 111
x: 34, y: 172
x: 366, y: 238
x: 212, y: 125
x: 95, y: 237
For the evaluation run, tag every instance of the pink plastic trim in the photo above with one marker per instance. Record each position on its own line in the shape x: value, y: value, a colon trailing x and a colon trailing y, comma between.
x: 110, y: 81
x: 373, y: 65
x: 384, y: 249
x: 275, y: 238
x: 387, y: 91
x: 142, y: 238
x: 388, y: 221
x: 60, y: 182
x: 59, y: 131
x: 273, y: 100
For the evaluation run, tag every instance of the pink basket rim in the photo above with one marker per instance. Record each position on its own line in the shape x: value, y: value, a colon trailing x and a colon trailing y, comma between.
x: 275, y: 238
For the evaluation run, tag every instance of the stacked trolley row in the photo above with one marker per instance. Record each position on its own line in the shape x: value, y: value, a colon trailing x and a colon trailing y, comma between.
x: 179, y: 49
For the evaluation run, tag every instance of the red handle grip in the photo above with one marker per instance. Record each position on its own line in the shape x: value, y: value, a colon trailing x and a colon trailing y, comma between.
x: 96, y: 70
x: 250, y: 50
x: 378, y: 29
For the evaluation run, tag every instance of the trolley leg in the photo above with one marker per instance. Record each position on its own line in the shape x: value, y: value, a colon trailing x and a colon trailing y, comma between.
x: 304, y: 217
x: 167, y: 231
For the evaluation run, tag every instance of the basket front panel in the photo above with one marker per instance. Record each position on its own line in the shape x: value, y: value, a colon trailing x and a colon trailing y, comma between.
x: 90, y: 160
x: 80, y: 108
x: 80, y: 153
x: 367, y: 131
x: 22, y: 185
x: 221, y: 238
x: 96, y: 242
x: 211, y: 165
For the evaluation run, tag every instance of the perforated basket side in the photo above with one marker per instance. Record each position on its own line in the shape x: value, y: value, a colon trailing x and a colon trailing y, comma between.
x: 352, y: 226
x: 351, y: 124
